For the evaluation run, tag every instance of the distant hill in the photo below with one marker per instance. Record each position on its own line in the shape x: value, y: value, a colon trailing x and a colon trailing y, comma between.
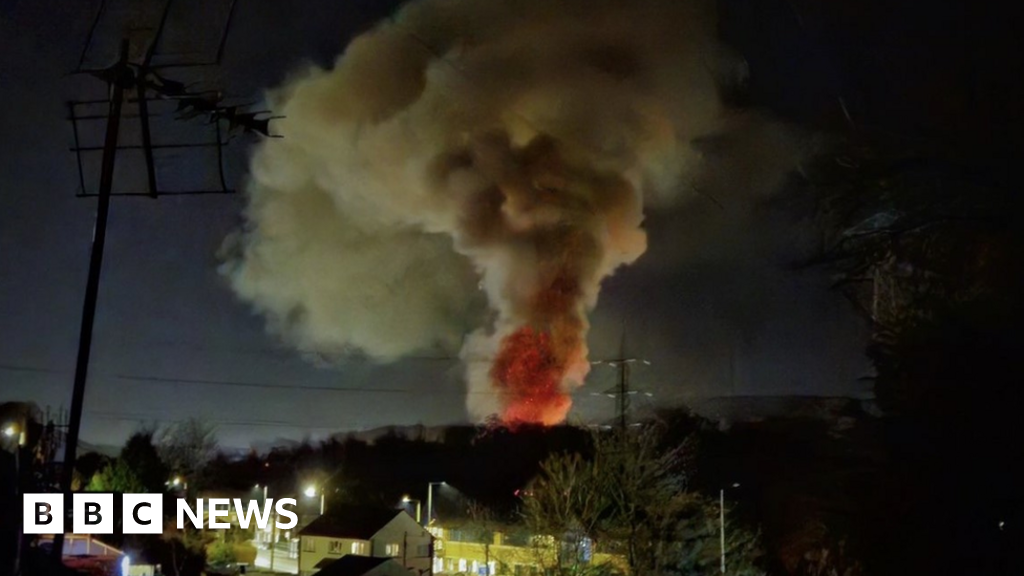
x: 727, y: 410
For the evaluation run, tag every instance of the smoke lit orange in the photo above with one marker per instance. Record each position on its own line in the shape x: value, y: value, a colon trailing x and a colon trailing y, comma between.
x: 528, y: 374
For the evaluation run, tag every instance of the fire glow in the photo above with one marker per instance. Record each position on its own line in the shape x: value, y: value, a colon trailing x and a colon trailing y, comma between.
x: 529, y: 376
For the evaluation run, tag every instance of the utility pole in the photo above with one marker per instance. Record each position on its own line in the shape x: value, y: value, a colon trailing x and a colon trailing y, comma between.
x: 93, y: 283
x: 622, y: 400
x: 721, y: 524
x: 120, y: 77
x: 622, y: 390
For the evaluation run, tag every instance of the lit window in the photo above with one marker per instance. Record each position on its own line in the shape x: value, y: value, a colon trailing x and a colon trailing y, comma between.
x: 359, y: 548
x: 392, y: 549
x: 309, y: 544
x: 462, y: 564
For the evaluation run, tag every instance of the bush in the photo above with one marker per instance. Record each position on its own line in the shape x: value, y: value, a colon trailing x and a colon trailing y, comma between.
x: 221, y: 553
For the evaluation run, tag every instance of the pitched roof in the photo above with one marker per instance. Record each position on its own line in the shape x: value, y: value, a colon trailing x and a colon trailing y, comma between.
x: 351, y: 565
x: 359, y: 522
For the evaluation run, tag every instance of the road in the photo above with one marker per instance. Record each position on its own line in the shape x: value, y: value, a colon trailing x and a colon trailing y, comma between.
x: 282, y: 563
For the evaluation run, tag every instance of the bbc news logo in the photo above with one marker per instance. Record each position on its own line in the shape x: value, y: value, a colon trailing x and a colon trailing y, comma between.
x: 93, y: 513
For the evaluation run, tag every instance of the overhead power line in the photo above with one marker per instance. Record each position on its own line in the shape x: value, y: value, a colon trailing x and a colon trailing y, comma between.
x: 258, y: 385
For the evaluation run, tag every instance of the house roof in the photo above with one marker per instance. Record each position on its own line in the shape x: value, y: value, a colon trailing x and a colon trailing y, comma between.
x: 83, y: 545
x: 358, y: 522
x: 323, y: 563
x: 351, y: 565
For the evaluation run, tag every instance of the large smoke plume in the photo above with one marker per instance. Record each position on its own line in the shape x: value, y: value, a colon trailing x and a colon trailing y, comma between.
x: 467, y: 174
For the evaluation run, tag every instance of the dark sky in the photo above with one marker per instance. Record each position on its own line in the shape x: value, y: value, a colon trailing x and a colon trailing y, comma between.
x: 714, y: 305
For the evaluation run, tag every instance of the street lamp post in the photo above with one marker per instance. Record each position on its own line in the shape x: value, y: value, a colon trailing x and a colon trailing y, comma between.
x: 406, y: 500
x: 721, y: 521
x: 430, y: 500
x: 263, y: 503
x: 273, y: 528
x: 11, y: 431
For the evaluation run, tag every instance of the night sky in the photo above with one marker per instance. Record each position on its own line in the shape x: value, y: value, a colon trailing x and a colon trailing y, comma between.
x: 715, y: 305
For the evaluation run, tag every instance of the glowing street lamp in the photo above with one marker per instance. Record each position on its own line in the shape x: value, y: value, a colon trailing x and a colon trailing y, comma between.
x: 311, y: 492
x: 407, y: 500
x: 12, y: 430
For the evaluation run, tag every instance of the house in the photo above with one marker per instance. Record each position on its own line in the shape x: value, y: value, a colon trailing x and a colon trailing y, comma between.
x: 352, y: 565
x: 461, y: 552
x: 516, y: 553
x: 368, y: 532
x: 87, y: 555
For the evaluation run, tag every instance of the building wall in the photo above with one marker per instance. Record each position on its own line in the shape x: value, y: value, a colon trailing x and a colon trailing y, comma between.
x: 503, y: 559
x: 313, y: 549
x: 406, y: 541
x: 469, y: 557
x: 389, y: 569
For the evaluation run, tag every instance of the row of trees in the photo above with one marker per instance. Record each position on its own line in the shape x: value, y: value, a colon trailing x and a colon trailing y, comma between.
x: 645, y: 497
x: 623, y: 494
x: 149, y: 462
x: 926, y: 241
x: 621, y: 505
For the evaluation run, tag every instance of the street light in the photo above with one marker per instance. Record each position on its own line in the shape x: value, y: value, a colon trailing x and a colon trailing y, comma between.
x: 311, y: 492
x: 406, y: 500
x: 270, y: 540
x: 12, y: 430
x: 721, y: 520
x: 430, y: 500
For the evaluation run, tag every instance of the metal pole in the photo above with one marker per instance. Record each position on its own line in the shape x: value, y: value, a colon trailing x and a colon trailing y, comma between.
x: 273, y: 542
x: 721, y: 520
x: 418, y: 518
x: 147, y: 140
x: 430, y: 503
x: 264, y: 505
x: 18, y: 487
x: 625, y: 392
x: 92, y: 287
x: 321, y: 502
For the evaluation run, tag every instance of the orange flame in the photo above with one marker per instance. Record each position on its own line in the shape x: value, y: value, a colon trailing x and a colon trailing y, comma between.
x: 528, y: 373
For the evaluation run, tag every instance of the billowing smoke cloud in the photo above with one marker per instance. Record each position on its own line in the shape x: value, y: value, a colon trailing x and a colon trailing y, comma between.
x: 465, y: 177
